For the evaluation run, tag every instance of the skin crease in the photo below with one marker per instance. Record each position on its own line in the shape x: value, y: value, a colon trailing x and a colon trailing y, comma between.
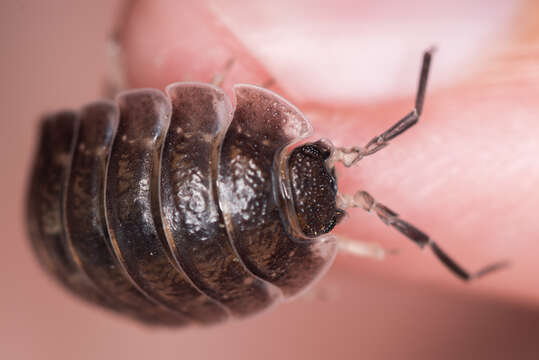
x: 465, y: 174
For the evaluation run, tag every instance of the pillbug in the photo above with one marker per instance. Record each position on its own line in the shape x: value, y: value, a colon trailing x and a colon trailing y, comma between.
x: 181, y: 209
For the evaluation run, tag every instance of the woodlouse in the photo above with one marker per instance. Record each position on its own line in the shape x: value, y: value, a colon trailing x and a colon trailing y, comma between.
x: 180, y: 209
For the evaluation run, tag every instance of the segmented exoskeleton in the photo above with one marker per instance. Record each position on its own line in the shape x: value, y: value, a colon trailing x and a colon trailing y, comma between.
x: 180, y: 209
x: 169, y: 208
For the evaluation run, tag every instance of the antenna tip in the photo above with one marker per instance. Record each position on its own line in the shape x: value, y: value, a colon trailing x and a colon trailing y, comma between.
x: 431, y: 50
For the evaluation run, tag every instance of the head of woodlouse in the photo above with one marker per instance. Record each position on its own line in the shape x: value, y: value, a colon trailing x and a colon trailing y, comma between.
x: 314, y: 189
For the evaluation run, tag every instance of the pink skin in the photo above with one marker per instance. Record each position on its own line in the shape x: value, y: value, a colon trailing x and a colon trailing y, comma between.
x: 452, y: 177
x: 466, y: 174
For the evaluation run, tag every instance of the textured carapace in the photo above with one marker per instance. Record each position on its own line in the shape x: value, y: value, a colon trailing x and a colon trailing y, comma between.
x: 180, y: 209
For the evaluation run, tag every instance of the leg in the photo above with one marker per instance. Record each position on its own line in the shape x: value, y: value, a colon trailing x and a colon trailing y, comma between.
x: 363, y: 249
x: 389, y: 217
x: 219, y: 78
x: 115, y: 80
x: 352, y: 155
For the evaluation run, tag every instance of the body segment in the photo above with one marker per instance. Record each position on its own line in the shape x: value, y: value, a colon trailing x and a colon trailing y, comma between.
x: 191, y: 214
x: 263, y: 125
x: 84, y: 214
x: 133, y: 210
x: 44, y: 206
x: 167, y: 208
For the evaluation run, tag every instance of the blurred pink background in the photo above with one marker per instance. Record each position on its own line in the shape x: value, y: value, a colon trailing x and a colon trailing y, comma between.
x: 53, y: 56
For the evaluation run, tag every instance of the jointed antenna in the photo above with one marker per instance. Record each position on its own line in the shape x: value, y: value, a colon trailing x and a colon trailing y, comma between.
x: 351, y: 156
x: 364, y: 200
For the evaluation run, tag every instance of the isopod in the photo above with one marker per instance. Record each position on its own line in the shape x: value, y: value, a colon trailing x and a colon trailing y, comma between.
x: 181, y: 209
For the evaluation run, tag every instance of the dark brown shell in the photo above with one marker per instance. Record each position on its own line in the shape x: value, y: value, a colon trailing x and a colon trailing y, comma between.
x: 170, y: 209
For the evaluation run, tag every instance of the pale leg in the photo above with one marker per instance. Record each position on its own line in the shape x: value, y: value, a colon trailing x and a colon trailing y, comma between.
x: 363, y: 249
